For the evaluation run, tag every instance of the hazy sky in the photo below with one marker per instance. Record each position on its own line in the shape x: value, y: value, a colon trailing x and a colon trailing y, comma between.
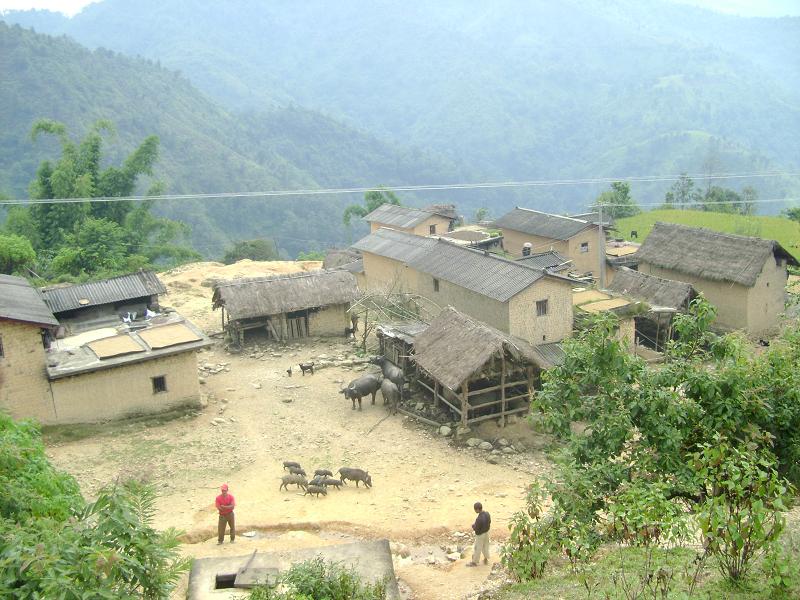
x: 764, y: 8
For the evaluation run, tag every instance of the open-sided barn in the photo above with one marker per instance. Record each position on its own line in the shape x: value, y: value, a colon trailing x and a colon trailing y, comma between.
x: 287, y: 306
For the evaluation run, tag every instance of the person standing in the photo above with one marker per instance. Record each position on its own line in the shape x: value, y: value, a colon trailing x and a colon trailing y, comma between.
x: 481, y: 528
x: 225, y: 505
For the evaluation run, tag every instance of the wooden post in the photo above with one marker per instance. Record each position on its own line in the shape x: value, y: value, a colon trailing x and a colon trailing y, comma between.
x: 464, y: 403
x: 284, y: 327
x: 435, y: 393
x: 530, y: 383
x: 223, y: 319
x: 502, y: 387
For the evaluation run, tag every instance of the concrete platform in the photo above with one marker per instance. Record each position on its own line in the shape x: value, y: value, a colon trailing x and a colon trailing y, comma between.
x: 371, y: 560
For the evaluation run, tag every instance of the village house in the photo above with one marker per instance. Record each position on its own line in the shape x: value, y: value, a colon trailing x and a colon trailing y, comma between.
x: 26, y: 325
x: 287, y: 307
x: 744, y: 277
x: 527, y: 232
x: 99, y: 303
x: 532, y: 304
x: 122, y: 369
x: 664, y: 299
x: 430, y: 221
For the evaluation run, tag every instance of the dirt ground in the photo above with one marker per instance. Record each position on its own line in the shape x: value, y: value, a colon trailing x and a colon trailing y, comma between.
x: 256, y: 416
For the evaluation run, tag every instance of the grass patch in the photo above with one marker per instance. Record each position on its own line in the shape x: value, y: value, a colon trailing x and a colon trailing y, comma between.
x: 614, y: 568
x: 784, y: 230
x: 56, y: 434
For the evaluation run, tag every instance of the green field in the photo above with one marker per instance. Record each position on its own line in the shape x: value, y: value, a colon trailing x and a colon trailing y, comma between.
x: 783, y: 230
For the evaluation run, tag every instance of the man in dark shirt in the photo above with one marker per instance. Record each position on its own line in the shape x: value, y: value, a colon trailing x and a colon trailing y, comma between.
x: 481, y: 528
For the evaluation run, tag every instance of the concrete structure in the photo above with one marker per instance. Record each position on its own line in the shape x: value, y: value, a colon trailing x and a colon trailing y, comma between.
x: 26, y: 324
x: 409, y: 220
x: 529, y: 303
x: 530, y: 231
x: 118, y: 373
x: 744, y: 277
x: 232, y: 576
x: 287, y: 306
x: 589, y: 302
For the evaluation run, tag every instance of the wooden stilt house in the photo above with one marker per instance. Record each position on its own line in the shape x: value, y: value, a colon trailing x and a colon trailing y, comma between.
x: 478, y: 371
x: 286, y: 307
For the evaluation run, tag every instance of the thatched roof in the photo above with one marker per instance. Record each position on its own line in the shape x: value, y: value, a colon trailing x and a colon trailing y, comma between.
x: 456, y: 346
x: 261, y: 296
x: 709, y: 254
x: 654, y: 290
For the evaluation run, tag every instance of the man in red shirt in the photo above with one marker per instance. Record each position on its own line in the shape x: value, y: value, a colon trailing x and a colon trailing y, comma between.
x: 225, y: 505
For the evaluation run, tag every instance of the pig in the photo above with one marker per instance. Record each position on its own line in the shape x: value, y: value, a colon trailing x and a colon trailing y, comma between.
x: 290, y: 463
x: 391, y: 395
x: 358, y: 388
x: 391, y: 372
x: 332, y: 481
x: 298, y: 470
x: 299, y: 480
x: 355, y: 475
x: 316, y: 489
x: 323, y: 473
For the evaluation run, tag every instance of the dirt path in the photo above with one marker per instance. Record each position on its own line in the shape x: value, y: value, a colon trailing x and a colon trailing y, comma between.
x: 257, y: 416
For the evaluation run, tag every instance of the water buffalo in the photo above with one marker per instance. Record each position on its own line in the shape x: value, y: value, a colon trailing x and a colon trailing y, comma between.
x: 391, y: 395
x: 390, y: 372
x: 363, y: 386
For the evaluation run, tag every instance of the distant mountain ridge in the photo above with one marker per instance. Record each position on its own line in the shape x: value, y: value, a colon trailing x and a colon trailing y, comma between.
x: 204, y: 148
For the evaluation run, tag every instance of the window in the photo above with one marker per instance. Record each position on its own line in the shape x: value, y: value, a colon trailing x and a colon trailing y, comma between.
x: 432, y: 229
x: 541, y: 308
x: 435, y: 285
x: 584, y: 246
x: 159, y: 384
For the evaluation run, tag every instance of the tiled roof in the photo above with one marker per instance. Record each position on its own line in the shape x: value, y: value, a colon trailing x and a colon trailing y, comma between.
x: 478, y: 271
x: 541, y: 224
x: 107, y: 291
x: 398, y: 216
x: 550, y: 260
x: 20, y: 301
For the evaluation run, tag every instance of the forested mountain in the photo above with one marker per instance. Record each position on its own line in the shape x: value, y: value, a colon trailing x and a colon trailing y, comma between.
x: 204, y: 148
x: 522, y: 89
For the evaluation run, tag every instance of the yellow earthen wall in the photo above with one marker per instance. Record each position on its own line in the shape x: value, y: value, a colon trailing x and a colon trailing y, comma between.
x: 24, y: 389
x: 552, y: 327
x: 766, y: 300
x: 583, y: 262
x: 478, y: 306
x: 422, y: 229
x: 383, y: 274
x: 329, y: 321
x: 126, y: 390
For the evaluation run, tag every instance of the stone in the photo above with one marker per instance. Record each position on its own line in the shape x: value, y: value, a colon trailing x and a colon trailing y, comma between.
x: 201, y: 380
x: 257, y: 386
x: 509, y: 450
x: 472, y: 442
x: 460, y: 431
x: 445, y: 431
x: 511, y: 419
x: 453, y: 556
x: 203, y: 402
x: 419, y: 407
x: 485, y: 446
x: 493, y: 460
x: 502, y: 442
x: 287, y: 400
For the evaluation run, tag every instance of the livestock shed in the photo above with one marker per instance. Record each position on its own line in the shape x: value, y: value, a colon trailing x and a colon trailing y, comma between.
x: 744, y: 277
x: 287, y: 307
x: 100, y: 303
x: 478, y: 371
x: 396, y: 341
x: 664, y: 297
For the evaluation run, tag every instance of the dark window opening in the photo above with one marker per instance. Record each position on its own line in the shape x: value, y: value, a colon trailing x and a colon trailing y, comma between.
x: 225, y: 581
x: 585, y: 247
x: 432, y: 229
x: 541, y: 308
x: 435, y: 285
x: 159, y: 384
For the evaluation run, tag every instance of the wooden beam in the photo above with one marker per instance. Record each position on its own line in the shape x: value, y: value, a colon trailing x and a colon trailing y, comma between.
x: 502, y: 387
x: 435, y: 394
x: 464, y: 403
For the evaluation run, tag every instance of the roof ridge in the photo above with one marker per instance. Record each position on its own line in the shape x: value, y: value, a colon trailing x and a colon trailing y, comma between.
x: 539, y: 212
x: 275, y: 277
x: 718, y: 233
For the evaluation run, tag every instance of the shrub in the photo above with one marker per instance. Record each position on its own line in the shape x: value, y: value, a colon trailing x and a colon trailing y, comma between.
x: 531, y: 541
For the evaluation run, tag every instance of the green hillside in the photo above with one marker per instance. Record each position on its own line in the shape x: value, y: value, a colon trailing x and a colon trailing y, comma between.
x: 783, y: 230
x: 204, y: 148
x: 522, y: 89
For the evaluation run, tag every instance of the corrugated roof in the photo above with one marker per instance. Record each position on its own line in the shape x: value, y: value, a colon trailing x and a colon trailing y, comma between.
x: 481, y: 272
x: 708, y: 254
x: 20, y: 301
x: 550, y: 260
x: 398, y: 216
x: 106, y: 291
x: 262, y: 296
x: 533, y: 222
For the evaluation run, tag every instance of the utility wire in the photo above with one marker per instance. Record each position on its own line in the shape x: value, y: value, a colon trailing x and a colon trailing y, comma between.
x: 405, y: 188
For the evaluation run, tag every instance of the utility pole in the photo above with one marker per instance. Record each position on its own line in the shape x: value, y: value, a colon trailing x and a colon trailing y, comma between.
x: 601, y: 249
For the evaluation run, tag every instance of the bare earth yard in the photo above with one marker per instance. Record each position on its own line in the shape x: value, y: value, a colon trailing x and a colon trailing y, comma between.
x: 257, y: 416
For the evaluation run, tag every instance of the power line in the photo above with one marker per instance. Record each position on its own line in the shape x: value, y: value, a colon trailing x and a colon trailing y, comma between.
x: 407, y: 188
